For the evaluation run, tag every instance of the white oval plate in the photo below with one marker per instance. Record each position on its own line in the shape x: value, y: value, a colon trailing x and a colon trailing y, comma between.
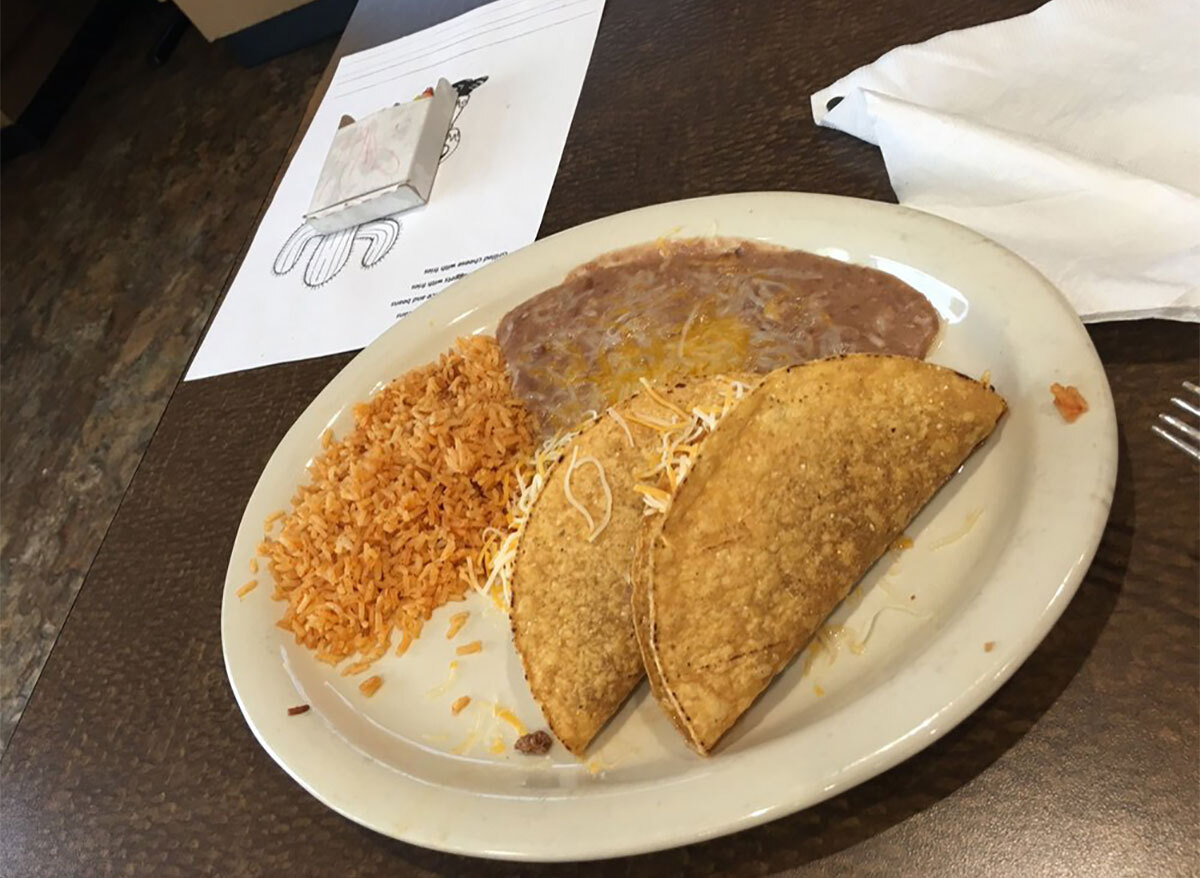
x: 997, y: 556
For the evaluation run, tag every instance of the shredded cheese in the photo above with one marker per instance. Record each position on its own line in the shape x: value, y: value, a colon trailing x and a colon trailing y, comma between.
x: 654, y: 423
x: 506, y: 715
x: 856, y: 646
x: 575, y: 504
x: 862, y: 644
x: 608, y: 500
x: 594, y: 530
x: 656, y: 499
x: 687, y: 324
x: 469, y: 576
x: 499, y: 554
x: 811, y: 653
x: 968, y: 523
x: 616, y: 416
x: 472, y: 737
x: 708, y: 419
x: 828, y: 637
x: 488, y: 718
x: 442, y: 689
x: 596, y: 766
x: 662, y: 400
x: 679, y: 443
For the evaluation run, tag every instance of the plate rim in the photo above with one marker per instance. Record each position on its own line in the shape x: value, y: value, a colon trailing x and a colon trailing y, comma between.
x: 958, y: 707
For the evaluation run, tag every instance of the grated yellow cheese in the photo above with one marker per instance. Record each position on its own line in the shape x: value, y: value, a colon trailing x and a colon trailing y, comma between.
x: 662, y: 400
x: 444, y: 687
x: 687, y: 324
x: 616, y: 416
x: 499, y: 552
x: 679, y: 445
x: 654, y: 423
x: 506, y: 715
x: 594, y: 530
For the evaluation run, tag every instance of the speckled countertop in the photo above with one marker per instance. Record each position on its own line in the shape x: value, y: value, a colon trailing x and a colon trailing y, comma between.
x: 118, y: 237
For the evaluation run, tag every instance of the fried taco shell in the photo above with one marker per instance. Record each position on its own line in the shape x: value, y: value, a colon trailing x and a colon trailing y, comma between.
x: 793, y: 497
x: 571, y: 614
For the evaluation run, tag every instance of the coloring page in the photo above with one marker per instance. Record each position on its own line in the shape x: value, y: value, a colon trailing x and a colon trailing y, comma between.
x: 517, y: 67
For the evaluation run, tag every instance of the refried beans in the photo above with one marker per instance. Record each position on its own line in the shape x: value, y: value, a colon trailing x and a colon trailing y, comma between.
x: 674, y: 309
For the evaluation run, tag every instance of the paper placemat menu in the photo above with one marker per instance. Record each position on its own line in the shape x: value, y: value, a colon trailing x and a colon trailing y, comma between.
x: 517, y: 67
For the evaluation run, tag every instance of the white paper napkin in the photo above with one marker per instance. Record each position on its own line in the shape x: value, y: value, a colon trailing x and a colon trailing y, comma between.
x: 1070, y: 135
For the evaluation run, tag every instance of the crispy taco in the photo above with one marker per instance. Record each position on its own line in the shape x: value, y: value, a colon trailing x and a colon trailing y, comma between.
x: 784, y: 507
x: 570, y: 582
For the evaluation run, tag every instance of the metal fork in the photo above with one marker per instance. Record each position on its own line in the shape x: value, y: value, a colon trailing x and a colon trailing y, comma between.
x: 1183, y: 436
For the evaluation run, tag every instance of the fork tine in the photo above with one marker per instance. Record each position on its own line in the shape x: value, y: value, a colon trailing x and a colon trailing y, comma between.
x: 1186, y: 406
x: 1176, y: 441
x: 1181, y: 426
x: 1194, y: 388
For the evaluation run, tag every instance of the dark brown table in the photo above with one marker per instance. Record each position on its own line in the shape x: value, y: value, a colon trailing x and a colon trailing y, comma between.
x: 132, y: 757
